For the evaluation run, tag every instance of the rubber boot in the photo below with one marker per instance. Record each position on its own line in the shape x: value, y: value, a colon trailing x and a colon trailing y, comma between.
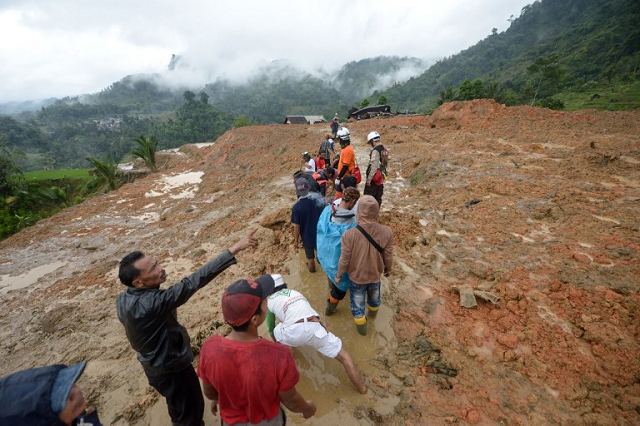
x: 373, y: 312
x: 361, y: 325
x: 331, y: 307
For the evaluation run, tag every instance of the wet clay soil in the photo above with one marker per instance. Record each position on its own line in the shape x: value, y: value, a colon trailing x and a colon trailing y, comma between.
x: 540, y: 208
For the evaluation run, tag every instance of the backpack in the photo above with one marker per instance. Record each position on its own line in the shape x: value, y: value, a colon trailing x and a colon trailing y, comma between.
x: 324, y: 149
x: 384, y: 158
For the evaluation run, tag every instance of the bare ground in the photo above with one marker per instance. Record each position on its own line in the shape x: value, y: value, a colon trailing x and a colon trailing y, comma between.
x: 541, y: 208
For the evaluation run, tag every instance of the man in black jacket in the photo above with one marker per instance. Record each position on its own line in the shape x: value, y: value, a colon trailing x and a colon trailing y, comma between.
x: 163, y: 347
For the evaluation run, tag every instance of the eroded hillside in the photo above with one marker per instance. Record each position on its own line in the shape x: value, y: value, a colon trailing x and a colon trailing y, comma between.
x: 538, y: 207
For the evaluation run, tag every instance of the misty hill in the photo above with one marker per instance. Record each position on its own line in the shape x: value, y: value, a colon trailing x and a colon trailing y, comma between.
x: 594, y: 40
x: 274, y: 91
x: 143, y: 94
x: 589, y: 45
x: 273, y: 94
x: 280, y: 89
x: 358, y: 79
x: 15, y: 108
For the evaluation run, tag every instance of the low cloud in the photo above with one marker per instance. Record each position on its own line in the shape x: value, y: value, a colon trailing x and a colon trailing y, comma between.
x: 70, y: 47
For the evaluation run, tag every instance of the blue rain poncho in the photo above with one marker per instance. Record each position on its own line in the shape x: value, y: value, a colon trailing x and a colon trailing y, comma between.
x: 328, y: 244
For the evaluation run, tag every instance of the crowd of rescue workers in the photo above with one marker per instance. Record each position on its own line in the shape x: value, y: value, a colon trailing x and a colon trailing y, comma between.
x: 248, y: 379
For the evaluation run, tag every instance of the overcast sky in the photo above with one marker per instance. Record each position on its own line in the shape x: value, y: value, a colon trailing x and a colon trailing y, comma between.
x: 57, y: 48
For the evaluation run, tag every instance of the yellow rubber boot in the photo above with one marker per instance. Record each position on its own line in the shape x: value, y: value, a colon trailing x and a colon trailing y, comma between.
x: 361, y: 325
x: 373, y: 312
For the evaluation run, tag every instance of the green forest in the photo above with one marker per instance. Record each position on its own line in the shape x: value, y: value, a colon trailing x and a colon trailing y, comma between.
x: 555, y: 50
x: 559, y: 54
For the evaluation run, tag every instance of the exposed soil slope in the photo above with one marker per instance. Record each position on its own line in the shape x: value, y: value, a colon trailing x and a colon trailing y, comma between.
x: 541, y: 208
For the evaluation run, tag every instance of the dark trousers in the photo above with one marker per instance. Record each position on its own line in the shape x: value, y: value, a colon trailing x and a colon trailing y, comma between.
x: 375, y: 191
x: 183, y: 394
x: 310, y: 252
x: 336, y: 293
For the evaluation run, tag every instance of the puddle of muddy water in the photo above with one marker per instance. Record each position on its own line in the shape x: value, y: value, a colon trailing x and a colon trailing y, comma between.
x: 204, y: 144
x: 8, y: 282
x: 322, y: 379
x: 148, y: 217
x: 168, y: 183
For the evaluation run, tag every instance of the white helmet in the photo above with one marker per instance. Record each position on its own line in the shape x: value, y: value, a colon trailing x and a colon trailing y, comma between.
x: 373, y: 137
x: 344, y: 134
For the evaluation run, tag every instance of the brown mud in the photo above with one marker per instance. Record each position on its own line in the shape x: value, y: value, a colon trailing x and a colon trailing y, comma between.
x: 541, y: 208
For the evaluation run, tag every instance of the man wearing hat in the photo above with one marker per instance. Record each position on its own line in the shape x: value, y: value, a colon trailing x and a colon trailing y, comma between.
x: 44, y: 396
x: 149, y: 316
x: 304, y: 219
x: 243, y: 374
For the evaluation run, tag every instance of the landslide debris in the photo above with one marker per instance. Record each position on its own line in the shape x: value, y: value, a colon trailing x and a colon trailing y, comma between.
x: 554, y: 235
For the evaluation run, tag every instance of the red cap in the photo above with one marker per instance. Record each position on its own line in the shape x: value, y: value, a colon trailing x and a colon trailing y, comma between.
x: 241, y: 299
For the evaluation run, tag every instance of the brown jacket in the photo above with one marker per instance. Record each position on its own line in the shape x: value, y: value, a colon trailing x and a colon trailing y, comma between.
x: 359, y: 258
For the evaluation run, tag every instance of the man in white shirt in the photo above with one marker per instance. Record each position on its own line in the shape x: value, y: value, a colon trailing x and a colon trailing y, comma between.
x: 300, y: 326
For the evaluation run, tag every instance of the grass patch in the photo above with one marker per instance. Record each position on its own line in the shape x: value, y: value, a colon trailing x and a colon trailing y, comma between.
x: 618, y: 96
x: 57, y: 174
x: 417, y: 177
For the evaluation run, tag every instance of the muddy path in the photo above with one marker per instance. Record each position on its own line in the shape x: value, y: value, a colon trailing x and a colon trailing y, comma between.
x: 540, y: 208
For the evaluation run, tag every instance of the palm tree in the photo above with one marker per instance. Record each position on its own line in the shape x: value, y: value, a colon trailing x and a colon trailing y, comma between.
x: 147, y: 151
x: 55, y: 196
x: 107, y: 171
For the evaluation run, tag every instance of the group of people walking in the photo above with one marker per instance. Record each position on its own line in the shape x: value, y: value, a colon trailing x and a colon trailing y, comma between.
x: 353, y: 259
x: 337, y: 166
x: 247, y: 378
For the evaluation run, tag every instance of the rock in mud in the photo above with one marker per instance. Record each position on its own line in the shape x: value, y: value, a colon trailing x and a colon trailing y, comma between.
x: 467, y: 298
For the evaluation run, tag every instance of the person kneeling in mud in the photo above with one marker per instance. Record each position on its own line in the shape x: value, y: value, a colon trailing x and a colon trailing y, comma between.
x: 300, y: 326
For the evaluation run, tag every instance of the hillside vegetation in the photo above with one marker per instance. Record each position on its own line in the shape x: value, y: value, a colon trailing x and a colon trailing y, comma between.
x: 593, y: 44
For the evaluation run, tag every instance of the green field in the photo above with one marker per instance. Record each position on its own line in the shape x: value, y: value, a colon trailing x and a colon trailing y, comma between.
x: 57, y: 174
x: 611, y: 97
